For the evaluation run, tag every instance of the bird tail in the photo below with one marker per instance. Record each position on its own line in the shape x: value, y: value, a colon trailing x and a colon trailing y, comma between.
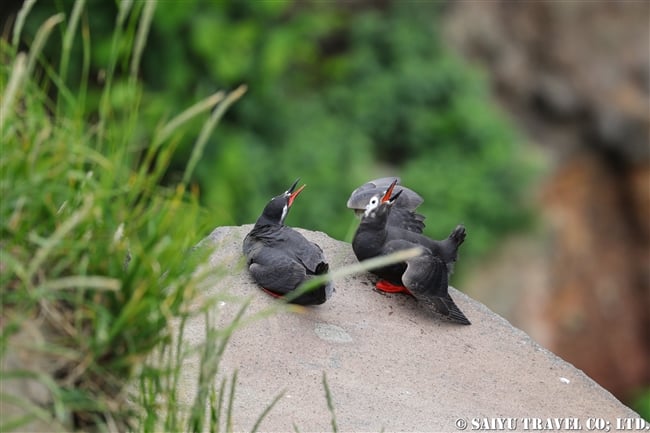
x: 316, y: 295
x: 322, y: 268
x: 319, y: 294
x: 449, y: 310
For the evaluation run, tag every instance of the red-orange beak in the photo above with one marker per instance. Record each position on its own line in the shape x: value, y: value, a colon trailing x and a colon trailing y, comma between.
x: 293, y: 194
x: 389, y: 192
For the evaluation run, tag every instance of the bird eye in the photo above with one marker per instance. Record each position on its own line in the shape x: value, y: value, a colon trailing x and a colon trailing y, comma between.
x: 373, y: 203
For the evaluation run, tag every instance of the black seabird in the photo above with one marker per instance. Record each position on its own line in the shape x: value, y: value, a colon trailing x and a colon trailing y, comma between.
x: 425, y: 276
x: 280, y: 259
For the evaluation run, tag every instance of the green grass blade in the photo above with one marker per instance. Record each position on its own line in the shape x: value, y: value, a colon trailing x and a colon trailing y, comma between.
x: 330, y: 403
x: 68, y: 38
x: 266, y: 411
x: 32, y: 411
x: 231, y: 402
x: 13, y: 264
x: 356, y: 268
x: 20, y: 21
x: 96, y: 282
x: 207, y: 129
x: 18, y: 76
x: 124, y: 7
x: 214, y: 417
x: 376, y: 262
x: 42, y: 35
x: 219, y: 408
x: 85, y: 68
x: 189, y: 113
x: 57, y: 237
x: 216, y: 341
x: 141, y: 37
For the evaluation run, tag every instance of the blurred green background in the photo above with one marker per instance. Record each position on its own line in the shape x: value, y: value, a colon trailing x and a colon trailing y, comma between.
x: 338, y: 94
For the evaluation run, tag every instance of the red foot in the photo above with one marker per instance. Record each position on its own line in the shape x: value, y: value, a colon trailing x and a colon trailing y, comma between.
x: 275, y: 295
x: 387, y: 287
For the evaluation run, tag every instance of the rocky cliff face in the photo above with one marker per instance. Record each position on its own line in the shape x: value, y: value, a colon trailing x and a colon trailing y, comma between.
x: 389, y: 364
x: 576, y: 76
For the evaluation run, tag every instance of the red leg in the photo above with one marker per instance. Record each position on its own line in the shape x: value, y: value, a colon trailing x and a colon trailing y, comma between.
x: 275, y: 295
x: 387, y: 287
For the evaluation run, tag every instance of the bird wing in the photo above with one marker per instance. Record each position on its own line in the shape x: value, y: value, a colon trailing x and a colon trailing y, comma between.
x: 425, y: 274
x: 448, y: 308
x: 426, y: 277
x: 280, y: 263
x: 406, y: 219
x: 290, y: 243
x: 309, y: 254
x: 446, y: 249
x: 274, y: 270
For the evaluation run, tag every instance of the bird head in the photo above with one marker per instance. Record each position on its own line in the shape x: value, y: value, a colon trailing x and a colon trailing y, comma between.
x: 361, y: 196
x: 380, y: 204
x: 277, y: 209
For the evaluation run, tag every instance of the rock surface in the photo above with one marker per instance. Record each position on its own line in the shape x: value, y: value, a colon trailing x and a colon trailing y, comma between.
x: 389, y: 365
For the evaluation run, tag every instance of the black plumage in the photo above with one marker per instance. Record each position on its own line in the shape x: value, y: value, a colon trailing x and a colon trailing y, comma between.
x: 425, y: 276
x: 280, y: 259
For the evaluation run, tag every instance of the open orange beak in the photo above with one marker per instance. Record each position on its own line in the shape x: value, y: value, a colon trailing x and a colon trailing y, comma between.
x: 389, y: 192
x: 293, y: 194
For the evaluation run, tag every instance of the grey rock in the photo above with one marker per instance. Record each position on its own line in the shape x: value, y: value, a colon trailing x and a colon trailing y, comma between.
x: 389, y: 365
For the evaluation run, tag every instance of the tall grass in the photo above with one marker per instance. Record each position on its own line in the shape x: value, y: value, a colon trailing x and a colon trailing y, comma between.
x: 92, y: 246
x: 93, y: 252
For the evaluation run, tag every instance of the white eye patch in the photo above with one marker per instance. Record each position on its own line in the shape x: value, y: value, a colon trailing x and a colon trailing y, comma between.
x: 372, y: 205
x: 285, y: 211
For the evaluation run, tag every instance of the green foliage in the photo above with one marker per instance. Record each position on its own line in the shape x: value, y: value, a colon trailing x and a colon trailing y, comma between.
x: 93, y: 248
x: 339, y: 94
